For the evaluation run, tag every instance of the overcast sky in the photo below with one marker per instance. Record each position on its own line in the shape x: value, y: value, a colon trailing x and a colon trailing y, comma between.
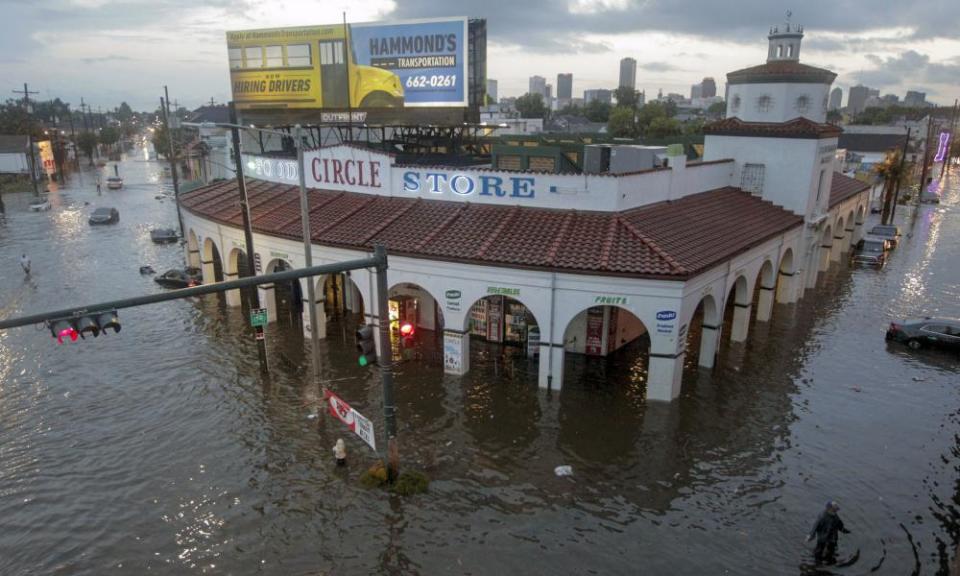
x: 110, y: 51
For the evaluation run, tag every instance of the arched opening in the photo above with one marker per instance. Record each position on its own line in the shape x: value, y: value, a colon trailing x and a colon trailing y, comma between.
x: 785, y: 283
x: 212, y: 265
x: 736, y: 311
x: 826, y: 244
x: 343, y: 305
x: 703, y: 334
x: 836, y: 249
x: 238, y: 267
x: 849, y: 232
x: 504, y: 338
x: 764, y: 289
x: 858, y: 227
x: 607, y: 345
x: 193, y: 250
x: 287, y: 296
x: 410, y: 306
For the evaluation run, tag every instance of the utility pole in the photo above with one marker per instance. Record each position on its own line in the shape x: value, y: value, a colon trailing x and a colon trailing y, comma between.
x: 33, y: 157
x: 307, y: 253
x: 248, y: 233
x: 926, y: 159
x: 385, y: 360
x: 172, y: 156
x: 896, y: 193
x: 346, y: 56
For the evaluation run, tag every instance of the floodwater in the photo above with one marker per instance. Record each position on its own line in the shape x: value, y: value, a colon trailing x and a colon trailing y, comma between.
x: 161, y: 449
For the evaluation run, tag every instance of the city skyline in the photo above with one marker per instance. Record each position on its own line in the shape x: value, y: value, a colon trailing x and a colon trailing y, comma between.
x: 109, y: 51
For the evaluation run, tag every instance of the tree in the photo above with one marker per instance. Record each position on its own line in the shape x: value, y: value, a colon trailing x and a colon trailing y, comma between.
x: 109, y: 136
x: 693, y: 125
x: 597, y: 111
x: 15, y: 120
x: 892, y: 171
x: 662, y: 127
x: 834, y: 116
x: 531, y: 106
x: 87, y: 142
x: 717, y: 110
x: 124, y: 113
x: 626, y: 97
x: 621, y: 123
x: 650, y: 112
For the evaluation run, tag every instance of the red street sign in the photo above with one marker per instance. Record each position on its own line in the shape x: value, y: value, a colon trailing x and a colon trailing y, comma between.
x: 354, y: 420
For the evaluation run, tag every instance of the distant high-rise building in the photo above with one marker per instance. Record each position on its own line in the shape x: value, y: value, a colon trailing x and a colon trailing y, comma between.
x: 836, y: 99
x: 708, y: 88
x: 564, y: 86
x: 600, y: 95
x: 875, y: 92
x: 857, y: 98
x: 914, y: 98
x: 548, y: 93
x: 696, y: 91
x: 538, y: 85
x: 492, y: 89
x: 628, y: 73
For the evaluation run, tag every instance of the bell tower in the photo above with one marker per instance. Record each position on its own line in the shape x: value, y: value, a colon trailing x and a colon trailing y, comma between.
x: 785, y: 42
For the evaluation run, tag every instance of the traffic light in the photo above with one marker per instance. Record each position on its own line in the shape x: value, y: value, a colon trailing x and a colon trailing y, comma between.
x: 406, y: 335
x: 92, y: 324
x: 365, y: 345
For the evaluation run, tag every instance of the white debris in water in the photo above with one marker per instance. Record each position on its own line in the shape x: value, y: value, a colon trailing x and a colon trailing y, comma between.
x: 563, y: 470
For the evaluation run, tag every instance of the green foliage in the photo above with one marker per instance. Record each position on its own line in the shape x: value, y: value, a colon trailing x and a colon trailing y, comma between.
x: 531, y: 106
x: 124, y: 113
x: 662, y: 126
x: 410, y: 483
x: 15, y: 120
x: 626, y: 97
x: 881, y: 116
x: 717, y: 110
x: 87, y: 142
x: 621, y: 123
x: 693, y: 126
x: 109, y: 136
x: 375, y: 476
x: 834, y: 116
x: 597, y: 111
x: 162, y: 145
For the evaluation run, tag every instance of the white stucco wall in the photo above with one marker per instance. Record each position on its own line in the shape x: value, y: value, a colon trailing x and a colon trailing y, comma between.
x: 785, y: 102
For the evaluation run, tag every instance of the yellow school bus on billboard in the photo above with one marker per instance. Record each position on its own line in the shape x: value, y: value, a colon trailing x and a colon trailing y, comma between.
x: 371, y: 65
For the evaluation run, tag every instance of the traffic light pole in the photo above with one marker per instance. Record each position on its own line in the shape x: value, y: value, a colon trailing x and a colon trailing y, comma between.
x: 376, y: 261
x: 248, y: 232
x: 307, y: 254
x: 385, y: 359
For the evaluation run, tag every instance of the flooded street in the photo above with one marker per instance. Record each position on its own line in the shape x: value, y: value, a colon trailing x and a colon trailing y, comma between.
x: 162, y: 448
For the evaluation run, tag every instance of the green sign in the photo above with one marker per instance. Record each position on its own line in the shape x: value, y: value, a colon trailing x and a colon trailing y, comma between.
x: 611, y: 300
x: 258, y: 317
x: 503, y: 291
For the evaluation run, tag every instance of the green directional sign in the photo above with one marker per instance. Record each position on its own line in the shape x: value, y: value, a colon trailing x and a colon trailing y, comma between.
x: 258, y: 317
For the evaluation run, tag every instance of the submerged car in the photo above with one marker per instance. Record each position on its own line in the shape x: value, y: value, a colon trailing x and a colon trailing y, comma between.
x: 104, y: 216
x: 888, y: 231
x: 114, y: 183
x: 163, y: 235
x: 179, y: 278
x: 923, y: 332
x: 871, y: 251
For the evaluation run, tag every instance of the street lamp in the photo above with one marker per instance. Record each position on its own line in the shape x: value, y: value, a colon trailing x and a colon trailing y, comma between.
x: 304, y: 215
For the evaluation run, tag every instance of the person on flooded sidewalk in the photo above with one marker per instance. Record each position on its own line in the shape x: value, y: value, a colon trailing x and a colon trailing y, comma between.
x: 827, y: 530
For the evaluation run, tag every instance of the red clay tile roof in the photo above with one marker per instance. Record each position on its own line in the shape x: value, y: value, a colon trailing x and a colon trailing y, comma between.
x: 669, y: 240
x: 781, y: 71
x: 844, y: 187
x: 796, y: 128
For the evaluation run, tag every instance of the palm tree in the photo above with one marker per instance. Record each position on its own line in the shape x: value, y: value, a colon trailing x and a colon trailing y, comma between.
x: 894, y: 171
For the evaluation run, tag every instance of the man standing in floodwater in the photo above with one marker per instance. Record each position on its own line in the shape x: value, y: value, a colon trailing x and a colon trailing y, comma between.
x: 25, y: 263
x: 827, y: 530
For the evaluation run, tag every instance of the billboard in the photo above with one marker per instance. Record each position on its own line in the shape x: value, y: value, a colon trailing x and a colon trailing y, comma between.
x: 370, y: 66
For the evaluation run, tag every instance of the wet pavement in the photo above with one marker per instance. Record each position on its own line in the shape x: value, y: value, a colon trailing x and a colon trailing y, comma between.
x: 162, y: 449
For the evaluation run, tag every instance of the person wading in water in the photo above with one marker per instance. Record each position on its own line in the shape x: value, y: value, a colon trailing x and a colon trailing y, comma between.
x: 827, y: 530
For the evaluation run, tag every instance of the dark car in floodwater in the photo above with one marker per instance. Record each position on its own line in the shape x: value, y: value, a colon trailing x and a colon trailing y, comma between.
x: 104, y: 216
x: 871, y: 251
x: 926, y: 332
x: 179, y: 278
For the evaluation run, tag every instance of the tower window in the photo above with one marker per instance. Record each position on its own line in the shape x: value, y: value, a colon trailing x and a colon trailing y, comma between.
x: 803, y: 103
x: 735, y: 103
x: 789, y: 50
x: 779, y: 50
x: 764, y: 103
x: 751, y: 178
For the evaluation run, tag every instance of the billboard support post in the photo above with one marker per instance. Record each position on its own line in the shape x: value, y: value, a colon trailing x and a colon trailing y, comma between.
x: 308, y: 256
